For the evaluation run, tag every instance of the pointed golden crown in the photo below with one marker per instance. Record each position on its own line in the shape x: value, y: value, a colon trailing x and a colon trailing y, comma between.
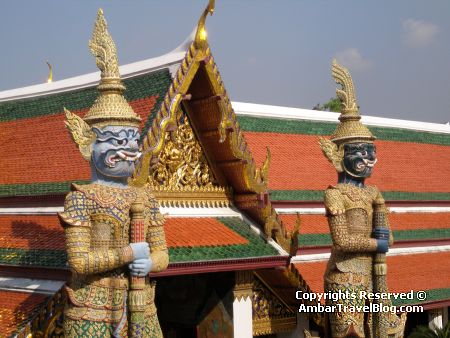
x: 110, y: 107
x: 350, y: 126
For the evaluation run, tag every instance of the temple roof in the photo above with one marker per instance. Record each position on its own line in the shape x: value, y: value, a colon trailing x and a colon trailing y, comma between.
x: 37, y: 241
x: 403, y: 148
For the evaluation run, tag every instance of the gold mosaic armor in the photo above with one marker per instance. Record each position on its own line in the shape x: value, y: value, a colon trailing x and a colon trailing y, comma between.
x: 350, y: 215
x: 96, y: 222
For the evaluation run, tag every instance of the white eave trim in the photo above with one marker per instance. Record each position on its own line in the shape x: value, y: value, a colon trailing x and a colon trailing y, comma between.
x: 177, y: 212
x: 268, y: 111
x: 170, y: 61
x: 48, y: 287
x: 393, y: 210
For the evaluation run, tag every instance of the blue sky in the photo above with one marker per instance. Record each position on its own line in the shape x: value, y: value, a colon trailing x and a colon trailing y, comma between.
x: 268, y: 52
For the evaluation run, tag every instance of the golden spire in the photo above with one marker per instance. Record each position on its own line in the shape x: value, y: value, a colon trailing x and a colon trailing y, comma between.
x: 50, y: 72
x: 103, y: 48
x: 110, y: 108
x: 350, y: 126
x: 201, y: 34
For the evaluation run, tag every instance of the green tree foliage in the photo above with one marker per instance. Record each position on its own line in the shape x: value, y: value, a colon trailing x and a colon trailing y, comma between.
x: 425, y: 332
x: 334, y: 105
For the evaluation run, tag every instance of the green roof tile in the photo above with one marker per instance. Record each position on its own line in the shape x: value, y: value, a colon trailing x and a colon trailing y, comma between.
x: 152, y: 84
x: 308, y: 127
x: 431, y: 296
x: 309, y: 240
x: 317, y: 195
x: 256, y: 246
x: 48, y: 188
x: 35, y: 258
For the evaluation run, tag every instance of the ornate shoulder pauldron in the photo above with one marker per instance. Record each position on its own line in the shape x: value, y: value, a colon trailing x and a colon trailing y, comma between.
x: 106, y: 196
x: 355, y: 197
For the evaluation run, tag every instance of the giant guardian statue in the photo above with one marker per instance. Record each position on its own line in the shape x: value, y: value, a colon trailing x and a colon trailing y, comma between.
x: 357, y: 217
x: 114, y: 231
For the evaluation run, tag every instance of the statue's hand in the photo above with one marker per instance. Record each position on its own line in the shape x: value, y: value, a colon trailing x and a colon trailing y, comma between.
x: 382, y: 245
x: 141, y: 267
x: 140, y: 250
x: 381, y: 233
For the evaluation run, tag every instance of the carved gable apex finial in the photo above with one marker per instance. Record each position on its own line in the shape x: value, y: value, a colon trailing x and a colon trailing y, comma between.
x: 201, y: 34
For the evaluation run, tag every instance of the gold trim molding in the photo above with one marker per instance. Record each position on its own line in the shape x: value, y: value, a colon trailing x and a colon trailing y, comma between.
x: 243, y: 287
x: 270, y: 314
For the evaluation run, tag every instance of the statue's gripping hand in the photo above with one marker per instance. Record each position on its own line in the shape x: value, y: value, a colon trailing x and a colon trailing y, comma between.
x: 141, y: 267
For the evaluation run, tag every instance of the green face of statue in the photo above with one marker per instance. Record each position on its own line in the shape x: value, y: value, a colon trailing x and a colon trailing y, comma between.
x: 359, y: 159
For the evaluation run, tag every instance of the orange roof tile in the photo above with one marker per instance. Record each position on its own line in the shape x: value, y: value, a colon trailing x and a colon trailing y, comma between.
x: 16, y: 309
x: 192, y: 232
x: 45, y: 232
x: 405, y: 272
x: 31, y: 232
x: 395, y: 171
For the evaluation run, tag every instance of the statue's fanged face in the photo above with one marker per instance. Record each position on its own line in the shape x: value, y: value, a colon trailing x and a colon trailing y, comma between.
x: 359, y: 159
x: 115, y: 150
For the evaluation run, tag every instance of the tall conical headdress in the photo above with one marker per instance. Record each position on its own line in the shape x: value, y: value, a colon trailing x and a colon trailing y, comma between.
x: 110, y: 108
x: 350, y: 126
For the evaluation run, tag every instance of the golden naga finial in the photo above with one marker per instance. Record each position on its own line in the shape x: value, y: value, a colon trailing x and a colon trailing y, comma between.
x: 347, y: 94
x: 103, y: 48
x: 201, y: 34
x: 50, y: 72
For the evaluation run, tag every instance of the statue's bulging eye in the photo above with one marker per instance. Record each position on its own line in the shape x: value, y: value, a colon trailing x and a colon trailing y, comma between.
x: 121, y: 142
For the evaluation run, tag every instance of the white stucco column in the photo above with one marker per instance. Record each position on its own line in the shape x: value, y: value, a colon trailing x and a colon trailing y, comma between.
x: 435, y: 318
x: 242, y: 305
x: 302, y: 324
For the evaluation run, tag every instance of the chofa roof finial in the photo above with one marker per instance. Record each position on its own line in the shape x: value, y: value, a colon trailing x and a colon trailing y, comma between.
x: 201, y: 34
